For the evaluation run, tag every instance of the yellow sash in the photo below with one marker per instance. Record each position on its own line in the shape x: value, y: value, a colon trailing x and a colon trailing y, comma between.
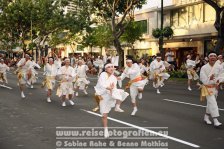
x: 47, y: 82
x: 19, y: 75
x: 76, y: 78
x: 191, y: 72
x: 205, y: 92
x: 2, y: 77
x: 98, y: 98
x: 157, y: 77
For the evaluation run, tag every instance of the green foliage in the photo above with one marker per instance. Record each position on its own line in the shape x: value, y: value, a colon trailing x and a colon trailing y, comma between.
x: 100, y: 36
x: 15, y: 21
x: 42, y: 18
x: 156, y: 33
x: 178, y: 74
x: 132, y: 33
x: 32, y: 45
x: 110, y: 10
x: 166, y: 32
x: 120, y: 5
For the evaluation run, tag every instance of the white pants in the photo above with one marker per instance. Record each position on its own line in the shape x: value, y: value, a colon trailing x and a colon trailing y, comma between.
x: 212, y: 107
x: 190, y: 76
x: 134, y: 92
x: 107, y: 103
x: 81, y: 83
x: 67, y: 88
x: 134, y: 89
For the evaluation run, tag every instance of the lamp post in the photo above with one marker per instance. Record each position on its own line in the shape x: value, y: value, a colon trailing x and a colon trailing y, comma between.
x: 161, y: 36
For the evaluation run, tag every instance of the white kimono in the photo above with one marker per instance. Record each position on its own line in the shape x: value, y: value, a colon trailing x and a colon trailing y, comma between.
x: 33, y: 71
x: 50, y: 72
x: 221, y: 65
x: 67, y: 75
x: 24, y: 68
x: 109, y: 98
x: 81, y: 80
x: 157, y: 72
x: 221, y: 74
x: 3, y: 69
x: 133, y: 73
x: 191, y: 73
x: 206, y: 72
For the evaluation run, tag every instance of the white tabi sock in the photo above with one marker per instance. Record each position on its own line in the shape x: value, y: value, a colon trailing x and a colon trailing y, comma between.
x: 22, y: 95
x: 206, y: 119
x: 106, y: 133
x: 216, y: 122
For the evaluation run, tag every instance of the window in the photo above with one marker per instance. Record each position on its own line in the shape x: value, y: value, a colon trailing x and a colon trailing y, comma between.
x: 143, y: 25
x: 187, y: 15
x: 195, y: 13
x: 174, y: 18
x: 166, y: 19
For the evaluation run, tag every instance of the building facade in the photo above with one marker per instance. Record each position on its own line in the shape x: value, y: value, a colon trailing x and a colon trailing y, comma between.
x: 192, y: 22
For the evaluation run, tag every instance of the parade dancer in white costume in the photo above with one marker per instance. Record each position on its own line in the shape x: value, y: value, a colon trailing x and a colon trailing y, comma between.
x: 3, y: 69
x: 99, y: 63
x: 81, y: 81
x: 210, y: 77
x: 50, y: 72
x: 144, y: 70
x: 158, y: 74
x: 109, y: 95
x: 220, y: 61
x: 65, y: 89
x: 191, y: 73
x: 136, y: 83
x: 34, y: 73
x: 24, y: 73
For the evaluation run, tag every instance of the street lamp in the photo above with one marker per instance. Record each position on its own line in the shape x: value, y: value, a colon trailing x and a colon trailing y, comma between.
x: 161, y: 36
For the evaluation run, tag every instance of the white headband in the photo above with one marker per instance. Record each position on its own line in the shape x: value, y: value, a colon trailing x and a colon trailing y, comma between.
x: 158, y: 57
x: 109, y: 65
x: 212, y: 54
x: 128, y: 60
x: 67, y: 59
x: 219, y: 56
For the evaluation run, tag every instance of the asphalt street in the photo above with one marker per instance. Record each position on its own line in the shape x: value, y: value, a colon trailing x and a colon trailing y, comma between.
x: 31, y: 123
